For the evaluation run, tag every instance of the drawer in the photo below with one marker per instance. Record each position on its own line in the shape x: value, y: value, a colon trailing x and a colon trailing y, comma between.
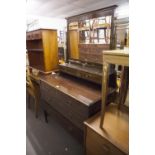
x: 37, y: 35
x: 70, y: 108
x: 49, y: 94
x: 68, y: 70
x: 95, y: 144
x: 34, y: 35
x: 82, y: 74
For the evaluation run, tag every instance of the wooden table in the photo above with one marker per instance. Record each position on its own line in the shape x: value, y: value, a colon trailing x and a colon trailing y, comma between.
x: 114, y: 139
x: 119, y: 57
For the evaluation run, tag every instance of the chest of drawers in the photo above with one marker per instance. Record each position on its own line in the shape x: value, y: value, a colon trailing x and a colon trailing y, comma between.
x: 74, y: 100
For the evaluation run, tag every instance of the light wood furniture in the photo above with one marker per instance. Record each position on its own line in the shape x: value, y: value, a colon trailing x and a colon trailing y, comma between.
x: 114, y: 139
x: 42, y: 49
x: 120, y: 57
x: 32, y: 90
x: 73, y: 43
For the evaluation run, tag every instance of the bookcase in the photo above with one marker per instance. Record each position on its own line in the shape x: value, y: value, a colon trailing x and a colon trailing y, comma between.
x: 42, y: 49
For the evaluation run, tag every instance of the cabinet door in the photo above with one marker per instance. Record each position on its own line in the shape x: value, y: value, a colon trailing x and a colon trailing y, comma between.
x: 73, y: 43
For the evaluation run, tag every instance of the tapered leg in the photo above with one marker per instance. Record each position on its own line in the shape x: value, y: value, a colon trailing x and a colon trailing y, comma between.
x: 105, y: 81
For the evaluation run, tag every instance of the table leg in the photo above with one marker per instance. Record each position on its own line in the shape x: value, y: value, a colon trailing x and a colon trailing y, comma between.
x: 105, y: 81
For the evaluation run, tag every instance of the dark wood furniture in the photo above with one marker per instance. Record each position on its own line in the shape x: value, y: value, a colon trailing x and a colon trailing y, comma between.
x: 88, y: 34
x: 90, y: 73
x: 87, y: 71
x: 75, y: 99
x: 114, y: 139
x: 42, y: 49
x: 120, y: 57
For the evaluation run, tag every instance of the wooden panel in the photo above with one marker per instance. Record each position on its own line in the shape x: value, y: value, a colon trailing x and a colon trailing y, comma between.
x: 96, y: 145
x: 36, y: 60
x: 92, y: 52
x: 73, y: 43
x: 50, y: 49
x: 36, y: 44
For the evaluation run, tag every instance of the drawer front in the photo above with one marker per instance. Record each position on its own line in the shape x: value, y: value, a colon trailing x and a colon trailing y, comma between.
x: 33, y: 35
x: 96, y: 145
x: 37, y: 34
x: 50, y: 95
x: 82, y: 74
x: 73, y: 110
x: 68, y: 70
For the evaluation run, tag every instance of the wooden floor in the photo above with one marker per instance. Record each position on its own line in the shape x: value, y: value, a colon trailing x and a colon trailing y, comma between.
x: 49, y: 138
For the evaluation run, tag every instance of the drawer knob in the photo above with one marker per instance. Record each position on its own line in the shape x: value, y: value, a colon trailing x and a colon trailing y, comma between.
x: 57, y: 86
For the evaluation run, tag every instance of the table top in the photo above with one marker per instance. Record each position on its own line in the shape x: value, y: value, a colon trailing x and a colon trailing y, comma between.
x: 115, y: 129
x: 123, y: 52
x: 83, y: 91
x: 120, y: 57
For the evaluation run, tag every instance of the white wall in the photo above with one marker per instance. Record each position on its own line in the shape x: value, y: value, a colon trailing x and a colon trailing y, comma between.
x: 122, y: 11
x: 36, y: 22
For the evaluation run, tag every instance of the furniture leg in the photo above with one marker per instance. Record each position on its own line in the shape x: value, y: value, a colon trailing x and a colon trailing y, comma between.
x: 124, y: 85
x: 105, y: 81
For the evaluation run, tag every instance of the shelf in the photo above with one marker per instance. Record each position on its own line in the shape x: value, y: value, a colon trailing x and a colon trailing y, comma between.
x: 94, y: 44
x: 35, y: 50
x: 84, y: 29
x: 100, y: 26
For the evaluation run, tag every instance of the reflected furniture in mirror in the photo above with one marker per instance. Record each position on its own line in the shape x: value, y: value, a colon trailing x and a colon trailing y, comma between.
x: 121, y: 29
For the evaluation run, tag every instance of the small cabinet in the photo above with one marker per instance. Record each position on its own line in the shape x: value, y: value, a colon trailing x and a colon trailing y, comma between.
x: 42, y: 49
